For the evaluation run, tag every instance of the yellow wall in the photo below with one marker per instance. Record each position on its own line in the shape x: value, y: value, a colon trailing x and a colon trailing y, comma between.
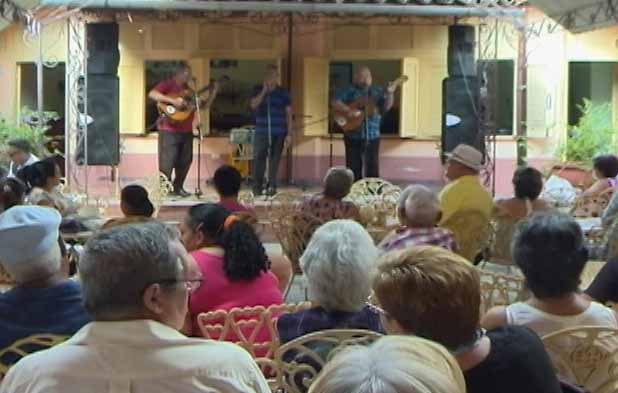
x: 198, y: 42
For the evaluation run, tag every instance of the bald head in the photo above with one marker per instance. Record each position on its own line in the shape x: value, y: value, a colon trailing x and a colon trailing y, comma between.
x: 362, y: 76
x: 419, y: 207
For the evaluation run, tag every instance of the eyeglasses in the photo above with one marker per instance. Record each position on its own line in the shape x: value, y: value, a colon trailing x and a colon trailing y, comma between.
x: 372, y: 304
x: 192, y: 284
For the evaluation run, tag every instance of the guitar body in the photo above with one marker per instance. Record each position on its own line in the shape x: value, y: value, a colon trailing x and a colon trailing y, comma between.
x: 177, y: 114
x: 349, y: 123
x: 365, y: 105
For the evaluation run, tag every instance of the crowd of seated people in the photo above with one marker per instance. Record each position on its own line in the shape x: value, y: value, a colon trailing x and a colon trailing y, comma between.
x: 131, y: 314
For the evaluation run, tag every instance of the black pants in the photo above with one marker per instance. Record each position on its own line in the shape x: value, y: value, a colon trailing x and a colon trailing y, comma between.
x: 359, y: 152
x: 175, y: 153
x: 260, y: 151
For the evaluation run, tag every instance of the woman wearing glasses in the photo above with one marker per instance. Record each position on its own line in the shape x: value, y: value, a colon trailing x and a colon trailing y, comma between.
x: 232, y: 260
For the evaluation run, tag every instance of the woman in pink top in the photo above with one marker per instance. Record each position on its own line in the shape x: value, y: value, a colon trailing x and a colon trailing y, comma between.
x: 232, y: 260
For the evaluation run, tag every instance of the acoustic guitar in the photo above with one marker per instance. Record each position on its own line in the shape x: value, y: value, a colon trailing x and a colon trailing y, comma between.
x: 179, y: 114
x: 365, y: 105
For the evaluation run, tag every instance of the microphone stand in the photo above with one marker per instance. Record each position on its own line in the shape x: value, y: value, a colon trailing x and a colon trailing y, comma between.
x: 198, y: 188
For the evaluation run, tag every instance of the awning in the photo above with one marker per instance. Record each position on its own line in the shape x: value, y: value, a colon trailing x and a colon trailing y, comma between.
x: 580, y: 15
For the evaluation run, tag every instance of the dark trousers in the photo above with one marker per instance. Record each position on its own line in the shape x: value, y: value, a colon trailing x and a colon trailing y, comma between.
x: 175, y: 153
x: 359, y: 152
x: 260, y: 152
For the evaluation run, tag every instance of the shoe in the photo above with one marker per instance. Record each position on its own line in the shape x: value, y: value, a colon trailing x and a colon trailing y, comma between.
x: 257, y: 192
x: 272, y: 191
x: 181, y: 192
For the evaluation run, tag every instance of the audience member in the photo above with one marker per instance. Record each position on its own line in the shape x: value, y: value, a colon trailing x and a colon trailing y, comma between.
x: 605, y: 171
x: 393, y: 364
x: 42, y: 180
x: 227, y: 181
x: 20, y: 153
x: 136, y: 286
x: 12, y: 193
x: 135, y: 206
x: 604, y: 287
x: 419, y: 213
x: 232, y: 258
x: 435, y: 294
x: 550, y: 251
x: 43, y: 299
x: 337, y: 263
x: 528, y: 185
x: 464, y: 191
x: 329, y: 205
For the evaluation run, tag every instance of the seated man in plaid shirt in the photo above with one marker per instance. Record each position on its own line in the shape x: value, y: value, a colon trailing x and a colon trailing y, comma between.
x: 419, y: 213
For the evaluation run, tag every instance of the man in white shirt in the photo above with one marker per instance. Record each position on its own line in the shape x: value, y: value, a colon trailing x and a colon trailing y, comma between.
x: 136, y: 281
x: 20, y: 153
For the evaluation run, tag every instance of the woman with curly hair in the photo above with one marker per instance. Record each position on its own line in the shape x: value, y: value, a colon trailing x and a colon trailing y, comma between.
x: 232, y: 260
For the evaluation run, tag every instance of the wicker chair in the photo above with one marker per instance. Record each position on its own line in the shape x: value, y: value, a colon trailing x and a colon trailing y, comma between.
x: 293, y: 231
x: 592, y: 205
x: 472, y: 231
x: 500, y: 290
x: 499, y: 251
x: 587, y: 356
x: 25, y: 346
x: 283, y: 203
x: 301, y: 359
x: 243, y: 326
x: 371, y: 187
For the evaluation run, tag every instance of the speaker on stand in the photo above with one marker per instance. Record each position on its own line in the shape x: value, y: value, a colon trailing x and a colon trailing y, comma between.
x: 100, y: 145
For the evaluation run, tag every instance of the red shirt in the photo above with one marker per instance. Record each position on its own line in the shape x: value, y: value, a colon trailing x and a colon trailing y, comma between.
x: 171, y: 87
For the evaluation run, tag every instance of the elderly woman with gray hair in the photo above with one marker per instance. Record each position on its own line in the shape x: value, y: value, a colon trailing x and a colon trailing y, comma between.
x: 419, y: 213
x: 338, y: 263
x: 329, y: 204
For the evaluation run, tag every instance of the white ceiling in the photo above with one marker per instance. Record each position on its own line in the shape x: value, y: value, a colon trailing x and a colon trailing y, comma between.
x: 580, y: 15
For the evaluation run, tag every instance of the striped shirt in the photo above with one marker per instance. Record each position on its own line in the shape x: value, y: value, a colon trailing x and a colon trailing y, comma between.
x: 352, y: 93
x: 276, y: 102
x: 409, y: 237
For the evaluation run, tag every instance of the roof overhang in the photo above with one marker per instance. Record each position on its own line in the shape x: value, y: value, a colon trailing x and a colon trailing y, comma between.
x: 580, y: 15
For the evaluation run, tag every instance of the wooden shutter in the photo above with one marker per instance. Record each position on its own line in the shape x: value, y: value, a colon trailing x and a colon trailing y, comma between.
x: 409, y: 99
x: 315, y: 96
x: 132, y: 98
x: 541, y: 105
x: 201, y: 71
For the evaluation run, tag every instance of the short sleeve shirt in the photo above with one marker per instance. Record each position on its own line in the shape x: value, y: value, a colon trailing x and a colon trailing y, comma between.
x: 352, y: 93
x: 273, y: 111
x: 171, y: 87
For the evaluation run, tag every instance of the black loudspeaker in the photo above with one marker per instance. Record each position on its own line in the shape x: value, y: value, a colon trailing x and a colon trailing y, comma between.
x: 460, y: 117
x: 104, y: 124
x: 461, y: 44
x: 103, y: 53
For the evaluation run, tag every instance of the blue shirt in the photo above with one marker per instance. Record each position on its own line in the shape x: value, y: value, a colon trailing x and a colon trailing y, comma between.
x: 277, y: 100
x: 353, y: 92
x: 28, y: 311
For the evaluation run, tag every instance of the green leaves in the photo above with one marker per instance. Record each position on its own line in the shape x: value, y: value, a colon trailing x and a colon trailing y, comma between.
x: 593, y: 135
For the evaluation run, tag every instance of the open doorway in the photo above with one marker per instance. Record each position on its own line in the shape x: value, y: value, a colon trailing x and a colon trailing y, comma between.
x: 594, y: 81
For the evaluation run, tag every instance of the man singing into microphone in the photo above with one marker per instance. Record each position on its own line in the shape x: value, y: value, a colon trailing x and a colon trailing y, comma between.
x: 273, y: 119
x: 363, y: 144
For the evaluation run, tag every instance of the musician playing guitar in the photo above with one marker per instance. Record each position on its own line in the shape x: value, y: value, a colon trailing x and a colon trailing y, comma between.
x: 362, y: 145
x: 176, y: 136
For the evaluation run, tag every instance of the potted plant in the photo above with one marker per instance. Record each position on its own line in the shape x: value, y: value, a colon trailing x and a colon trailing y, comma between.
x: 591, y: 136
